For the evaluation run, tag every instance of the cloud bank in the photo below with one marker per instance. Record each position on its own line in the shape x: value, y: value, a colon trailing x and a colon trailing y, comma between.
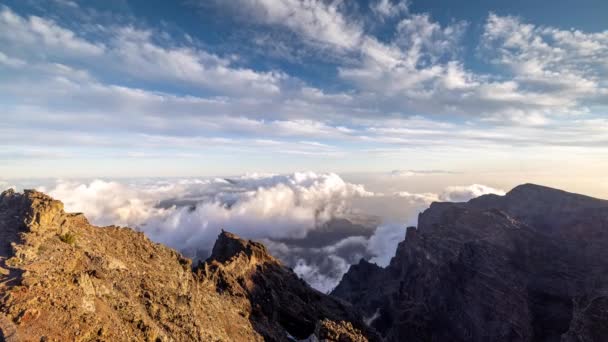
x: 317, y: 223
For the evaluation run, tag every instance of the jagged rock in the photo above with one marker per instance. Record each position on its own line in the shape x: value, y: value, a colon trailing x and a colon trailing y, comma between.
x: 281, y: 302
x: 339, y: 331
x: 528, y: 266
x: 114, y: 284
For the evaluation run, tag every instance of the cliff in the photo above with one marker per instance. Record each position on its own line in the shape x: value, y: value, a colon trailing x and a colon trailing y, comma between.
x: 527, y: 266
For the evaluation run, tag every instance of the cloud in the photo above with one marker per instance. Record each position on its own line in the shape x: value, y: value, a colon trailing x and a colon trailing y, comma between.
x: 97, y: 88
x: 420, y: 68
x: 188, y: 214
x: 412, y: 173
x: 465, y: 193
x: 36, y: 35
x: 389, y: 8
x: 315, y: 20
x: 131, y: 51
x: 143, y: 58
x: 566, y: 66
x: 316, y: 223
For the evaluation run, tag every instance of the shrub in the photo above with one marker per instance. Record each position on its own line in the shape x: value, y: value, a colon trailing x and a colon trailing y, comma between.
x: 68, y: 238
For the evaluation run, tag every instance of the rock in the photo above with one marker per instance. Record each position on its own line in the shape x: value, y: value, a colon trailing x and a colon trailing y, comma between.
x: 527, y: 266
x: 281, y: 302
x: 114, y: 284
x: 342, y: 331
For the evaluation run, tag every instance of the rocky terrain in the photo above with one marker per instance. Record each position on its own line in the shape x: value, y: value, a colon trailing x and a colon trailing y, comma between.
x: 528, y: 266
x: 62, y: 279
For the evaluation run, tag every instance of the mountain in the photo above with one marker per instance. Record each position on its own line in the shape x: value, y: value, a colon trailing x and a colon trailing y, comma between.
x: 528, y: 266
x: 62, y: 279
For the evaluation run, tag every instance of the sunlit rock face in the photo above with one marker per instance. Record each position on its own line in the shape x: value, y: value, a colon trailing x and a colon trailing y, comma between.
x: 62, y: 279
x: 526, y: 266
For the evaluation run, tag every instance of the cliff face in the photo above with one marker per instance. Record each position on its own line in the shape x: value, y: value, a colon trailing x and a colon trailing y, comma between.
x: 62, y: 279
x: 530, y: 265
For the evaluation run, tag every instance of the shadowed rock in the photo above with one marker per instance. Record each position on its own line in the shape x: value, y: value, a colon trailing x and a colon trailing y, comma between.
x: 527, y: 266
x: 281, y: 301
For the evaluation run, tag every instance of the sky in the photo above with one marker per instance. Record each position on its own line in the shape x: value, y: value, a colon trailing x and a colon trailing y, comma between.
x: 206, y: 87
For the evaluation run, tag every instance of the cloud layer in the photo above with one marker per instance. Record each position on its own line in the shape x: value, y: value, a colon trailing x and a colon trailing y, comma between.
x: 318, y: 224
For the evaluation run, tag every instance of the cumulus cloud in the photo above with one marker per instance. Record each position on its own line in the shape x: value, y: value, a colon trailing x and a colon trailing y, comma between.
x: 465, y: 193
x: 188, y: 214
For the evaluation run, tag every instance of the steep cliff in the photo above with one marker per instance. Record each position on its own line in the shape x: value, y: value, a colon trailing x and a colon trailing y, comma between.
x: 530, y: 265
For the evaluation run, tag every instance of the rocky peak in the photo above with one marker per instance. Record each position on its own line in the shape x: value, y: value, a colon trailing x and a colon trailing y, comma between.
x: 37, y: 210
x: 525, y: 266
x: 114, y: 284
x: 244, y: 268
x: 229, y: 247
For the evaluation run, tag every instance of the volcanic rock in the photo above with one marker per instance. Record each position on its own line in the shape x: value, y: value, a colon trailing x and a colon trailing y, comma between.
x: 528, y: 266
x: 63, y: 279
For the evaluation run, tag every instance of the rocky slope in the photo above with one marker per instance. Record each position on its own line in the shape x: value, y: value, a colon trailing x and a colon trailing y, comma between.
x: 530, y: 265
x: 62, y: 279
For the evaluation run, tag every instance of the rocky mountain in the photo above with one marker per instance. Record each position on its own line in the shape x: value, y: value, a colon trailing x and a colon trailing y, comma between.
x: 528, y: 266
x: 62, y: 279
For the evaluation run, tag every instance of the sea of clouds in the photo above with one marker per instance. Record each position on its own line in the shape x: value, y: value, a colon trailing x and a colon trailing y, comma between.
x: 283, y: 211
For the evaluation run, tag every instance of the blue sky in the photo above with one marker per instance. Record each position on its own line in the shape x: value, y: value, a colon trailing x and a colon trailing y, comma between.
x: 170, y: 88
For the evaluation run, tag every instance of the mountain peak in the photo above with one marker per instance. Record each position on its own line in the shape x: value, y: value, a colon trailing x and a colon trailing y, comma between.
x: 528, y: 188
x: 37, y: 210
x: 229, y: 247
x: 487, y: 269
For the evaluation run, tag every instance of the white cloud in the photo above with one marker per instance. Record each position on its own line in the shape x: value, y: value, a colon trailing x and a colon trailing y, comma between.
x: 131, y: 51
x: 553, y: 71
x: 97, y: 89
x: 141, y: 57
x: 465, y: 193
x: 565, y: 65
x: 389, y: 8
x: 412, y: 173
x: 315, y: 20
x: 383, y: 244
x: 36, y: 35
x: 187, y: 214
x: 10, y: 61
x: 256, y: 206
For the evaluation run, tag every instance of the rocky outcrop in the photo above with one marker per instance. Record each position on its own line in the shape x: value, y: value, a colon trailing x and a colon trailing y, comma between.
x: 280, y: 301
x: 63, y: 279
x: 528, y: 266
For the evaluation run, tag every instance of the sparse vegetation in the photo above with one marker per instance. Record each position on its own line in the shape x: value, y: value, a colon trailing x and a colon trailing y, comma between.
x: 68, y: 238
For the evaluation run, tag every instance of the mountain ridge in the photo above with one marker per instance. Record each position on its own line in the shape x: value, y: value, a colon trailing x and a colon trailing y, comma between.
x: 525, y: 266
x: 64, y: 279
